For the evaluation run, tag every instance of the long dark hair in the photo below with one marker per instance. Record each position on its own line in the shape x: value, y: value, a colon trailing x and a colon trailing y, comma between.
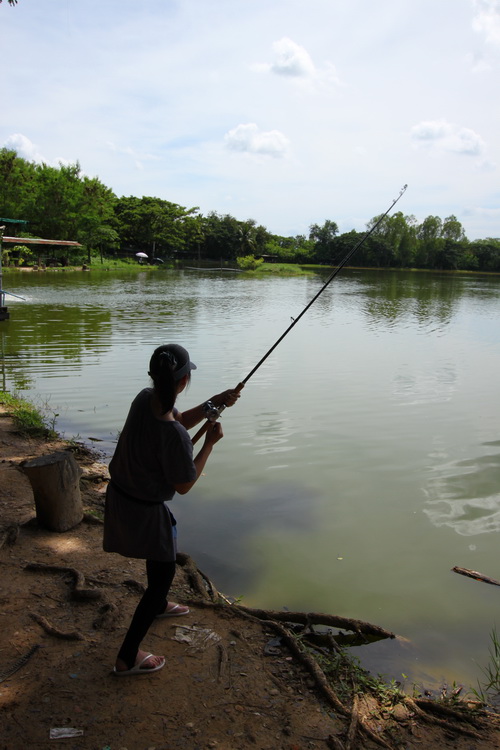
x: 168, y: 364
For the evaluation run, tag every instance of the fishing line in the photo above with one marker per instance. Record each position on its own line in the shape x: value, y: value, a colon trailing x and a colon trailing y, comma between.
x: 213, y: 412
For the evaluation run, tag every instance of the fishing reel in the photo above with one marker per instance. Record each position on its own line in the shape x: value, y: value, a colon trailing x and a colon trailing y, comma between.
x: 211, y: 411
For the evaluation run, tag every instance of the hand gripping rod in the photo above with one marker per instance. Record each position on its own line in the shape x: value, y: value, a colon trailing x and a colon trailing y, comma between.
x: 294, y: 322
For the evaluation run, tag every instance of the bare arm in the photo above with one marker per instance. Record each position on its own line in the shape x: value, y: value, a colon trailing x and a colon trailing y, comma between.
x: 213, y: 435
x: 192, y: 417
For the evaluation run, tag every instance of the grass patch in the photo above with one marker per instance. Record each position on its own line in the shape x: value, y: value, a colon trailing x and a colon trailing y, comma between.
x: 28, y: 419
x: 117, y: 264
x: 489, y: 687
x: 283, y: 269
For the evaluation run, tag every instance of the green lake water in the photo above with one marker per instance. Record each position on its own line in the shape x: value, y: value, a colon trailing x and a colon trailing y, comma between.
x: 361, y: 463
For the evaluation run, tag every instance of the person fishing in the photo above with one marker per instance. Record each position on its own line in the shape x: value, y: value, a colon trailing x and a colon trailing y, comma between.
x: 152, y: 461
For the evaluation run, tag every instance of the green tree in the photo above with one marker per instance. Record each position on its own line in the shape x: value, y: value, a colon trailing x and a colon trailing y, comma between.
x: 452, y: 229
x: 399, y: 233
x: 323, y: 237
x: 449, y: 255
x: 246, y: 234
x: 96, y: 215
x: 429, y: 242
x: 222, y: 236
x: 261, y: 237
x: 194, y: 234
x: 152, y: 225
x: 55, y: 201
x: 296, y: 249
x: 487, y: 254
x: 16, y: 184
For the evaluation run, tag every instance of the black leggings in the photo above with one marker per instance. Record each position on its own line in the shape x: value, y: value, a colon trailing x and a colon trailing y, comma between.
x: 154, y: 601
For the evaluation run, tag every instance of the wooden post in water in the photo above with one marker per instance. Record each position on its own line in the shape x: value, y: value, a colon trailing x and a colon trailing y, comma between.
x: 4, y: 313
x: 55, y: 480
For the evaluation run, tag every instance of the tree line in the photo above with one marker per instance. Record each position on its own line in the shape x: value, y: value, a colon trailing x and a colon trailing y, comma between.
x: 63, y: 203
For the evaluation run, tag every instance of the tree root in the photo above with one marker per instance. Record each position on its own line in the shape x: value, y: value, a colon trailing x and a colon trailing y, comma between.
x: 429, y: 718
x: 198, y: 581
x: 6, y: 673
x: 136, y: 586
x: 108, y: 615
x: 223, y: 661
x: 322, y: 682
x: 270, y: 619
x: 333, y: 743
x: 353, y: 725
x: 73, y: 635
x: 447, y: 711
x: 79, y: 592
x: 425, y: 710
x: 318, y: 618
x: 9, y: 534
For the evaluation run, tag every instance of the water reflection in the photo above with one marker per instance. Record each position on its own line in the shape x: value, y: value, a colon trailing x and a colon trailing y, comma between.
x: 416, y: 296
x: 273, y: 433
x: 466, y: 495
x: 430, y: 386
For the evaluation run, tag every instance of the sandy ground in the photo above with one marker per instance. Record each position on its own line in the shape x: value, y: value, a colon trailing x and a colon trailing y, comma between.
x: 222, y: 687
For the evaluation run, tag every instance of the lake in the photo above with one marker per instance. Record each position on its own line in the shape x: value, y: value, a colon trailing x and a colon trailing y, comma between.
x: 361, y: 463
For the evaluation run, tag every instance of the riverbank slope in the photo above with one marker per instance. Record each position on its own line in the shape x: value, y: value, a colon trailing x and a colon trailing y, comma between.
x: 229, y: 683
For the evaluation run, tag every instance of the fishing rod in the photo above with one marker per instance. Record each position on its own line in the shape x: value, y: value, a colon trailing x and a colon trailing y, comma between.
x: 13, y: 295
x: 213, y: 412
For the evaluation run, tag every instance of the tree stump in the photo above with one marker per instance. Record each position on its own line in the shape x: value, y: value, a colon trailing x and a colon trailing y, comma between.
x: 55, y: 481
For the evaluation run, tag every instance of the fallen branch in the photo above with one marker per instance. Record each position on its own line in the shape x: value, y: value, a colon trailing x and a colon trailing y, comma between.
x: 475, y: 575
x: 318, y: 618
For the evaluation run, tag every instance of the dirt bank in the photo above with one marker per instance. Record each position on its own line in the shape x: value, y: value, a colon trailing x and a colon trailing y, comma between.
x: 228, y: 684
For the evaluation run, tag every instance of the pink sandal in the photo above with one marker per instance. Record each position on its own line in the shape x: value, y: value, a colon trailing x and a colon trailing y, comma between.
x: 139, y: 668
x: 177, y: 610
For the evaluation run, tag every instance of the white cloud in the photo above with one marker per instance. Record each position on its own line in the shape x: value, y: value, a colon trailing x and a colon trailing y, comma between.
x: 24, y: 147
x: 445, y: 136
x: 291, y: 59
x: 250, y: 139
x: 487, y: 19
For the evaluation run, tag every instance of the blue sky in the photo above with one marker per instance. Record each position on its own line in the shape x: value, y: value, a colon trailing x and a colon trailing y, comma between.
x: 289, y: 112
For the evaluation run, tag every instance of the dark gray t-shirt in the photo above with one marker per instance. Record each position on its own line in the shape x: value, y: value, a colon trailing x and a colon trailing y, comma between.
x: 150, y: 458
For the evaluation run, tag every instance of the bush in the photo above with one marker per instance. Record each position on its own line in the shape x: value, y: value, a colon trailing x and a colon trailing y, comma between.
x: 249, y: 262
